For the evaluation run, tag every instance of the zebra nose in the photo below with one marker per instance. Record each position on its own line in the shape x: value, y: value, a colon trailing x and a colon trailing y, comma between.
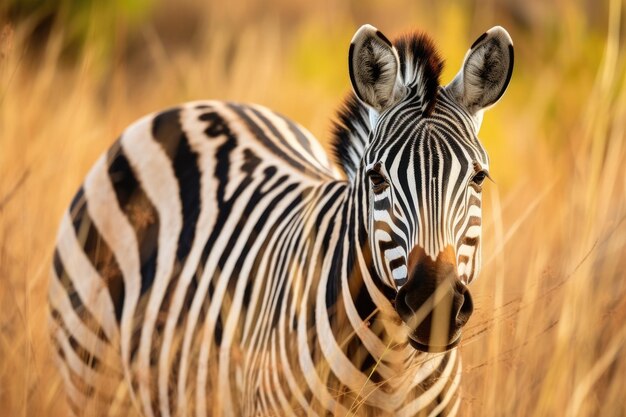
x: 434, y: 303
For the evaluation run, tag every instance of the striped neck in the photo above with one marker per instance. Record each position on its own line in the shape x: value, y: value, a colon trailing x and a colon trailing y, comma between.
x: 363, y: 317
x: 368, y: 356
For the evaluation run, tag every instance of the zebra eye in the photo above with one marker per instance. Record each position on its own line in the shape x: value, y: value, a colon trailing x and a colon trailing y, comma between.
x: 479, y: 177
x: 377, y: 179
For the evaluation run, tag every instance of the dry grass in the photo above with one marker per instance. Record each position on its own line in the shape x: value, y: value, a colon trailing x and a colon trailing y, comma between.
x: 549, y: 334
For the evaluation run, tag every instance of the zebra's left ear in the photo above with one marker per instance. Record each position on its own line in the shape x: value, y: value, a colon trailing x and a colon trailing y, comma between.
x: 374, y: 69
x: 486, y: 71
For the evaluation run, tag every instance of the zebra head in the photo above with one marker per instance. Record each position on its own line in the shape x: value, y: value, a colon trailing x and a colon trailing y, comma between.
x: 422, y: 172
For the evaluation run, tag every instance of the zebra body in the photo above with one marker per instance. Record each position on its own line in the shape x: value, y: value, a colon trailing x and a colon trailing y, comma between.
x: 215, y: 262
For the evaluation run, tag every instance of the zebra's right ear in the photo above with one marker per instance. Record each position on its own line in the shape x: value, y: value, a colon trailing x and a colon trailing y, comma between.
x: 374, y: 68
x: 486, y: 71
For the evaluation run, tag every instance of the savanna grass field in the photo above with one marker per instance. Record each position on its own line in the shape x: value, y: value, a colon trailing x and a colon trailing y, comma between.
x: 548, y: 336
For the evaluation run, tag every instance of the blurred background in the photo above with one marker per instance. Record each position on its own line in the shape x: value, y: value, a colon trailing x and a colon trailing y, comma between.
x: 549, y: 332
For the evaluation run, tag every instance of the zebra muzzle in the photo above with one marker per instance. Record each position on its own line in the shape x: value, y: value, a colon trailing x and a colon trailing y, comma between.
x: 434, y: 303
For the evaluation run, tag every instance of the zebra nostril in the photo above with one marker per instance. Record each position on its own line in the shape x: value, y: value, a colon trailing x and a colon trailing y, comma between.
x: 466, y: 307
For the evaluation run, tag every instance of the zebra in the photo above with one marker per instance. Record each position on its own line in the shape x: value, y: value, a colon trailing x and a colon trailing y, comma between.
x: 215, y: 261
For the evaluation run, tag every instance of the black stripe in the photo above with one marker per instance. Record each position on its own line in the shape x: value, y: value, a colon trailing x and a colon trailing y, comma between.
x: 100, y: 255
x: 333, y: 285
x: 141, y: 214
x: 479, y: 40
x: 77, y: 202
x: 397, y: 263
x: 351, y: 71
x: 383, y: 38
x: 168, y: 132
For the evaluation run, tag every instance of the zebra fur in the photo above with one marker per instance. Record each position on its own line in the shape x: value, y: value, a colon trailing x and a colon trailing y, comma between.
x: 215, y: 262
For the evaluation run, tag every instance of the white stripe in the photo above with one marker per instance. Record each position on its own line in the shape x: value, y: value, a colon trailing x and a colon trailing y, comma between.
x: 427, y: 397
x: 455, y: 409
x: 400, y: 273
x: 451, y: 391
x: 119, y: 235
x: 77, y: 397
x: 88, y: 283
x: 154, y: 171
x: 425, y: 367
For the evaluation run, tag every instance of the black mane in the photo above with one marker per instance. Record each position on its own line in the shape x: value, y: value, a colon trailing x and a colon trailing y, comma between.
x: 350, y: 131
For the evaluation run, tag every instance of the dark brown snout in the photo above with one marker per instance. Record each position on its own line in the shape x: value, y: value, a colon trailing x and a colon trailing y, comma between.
x: 434, y: 303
